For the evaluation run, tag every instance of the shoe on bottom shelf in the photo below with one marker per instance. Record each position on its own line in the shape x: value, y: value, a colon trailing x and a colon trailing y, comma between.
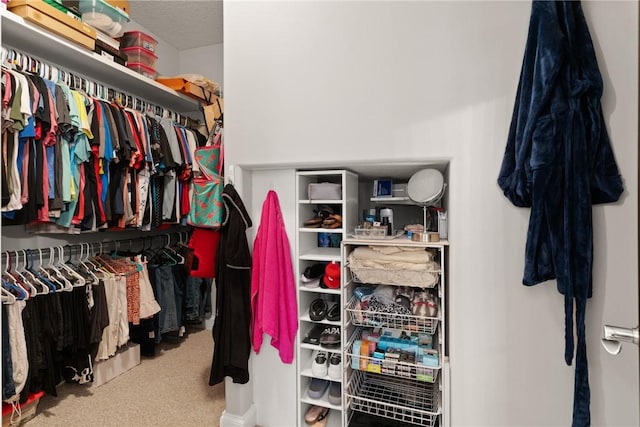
x: 319, y: 364
x: 316, y: 416
x: 335, y: 393
x: 317, y: 388
x: 335, y: 366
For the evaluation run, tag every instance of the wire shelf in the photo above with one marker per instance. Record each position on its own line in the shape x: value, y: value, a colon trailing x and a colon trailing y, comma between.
x: 376, y: 319
x: 397, y: 277
x: 394, y: 398
x: 389, y: 367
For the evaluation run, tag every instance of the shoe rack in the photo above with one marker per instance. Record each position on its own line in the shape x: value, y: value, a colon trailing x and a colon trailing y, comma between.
x: 408, y: 386
x: 315, y: 245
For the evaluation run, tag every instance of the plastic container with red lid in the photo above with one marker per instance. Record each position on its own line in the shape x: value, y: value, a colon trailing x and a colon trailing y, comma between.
x: 140, y: 55
x: 142, y: 69
x: 138, y: 39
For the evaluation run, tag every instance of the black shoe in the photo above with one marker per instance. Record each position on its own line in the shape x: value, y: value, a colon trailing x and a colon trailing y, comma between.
x: 313, y: 336
x: 317, y: 310
x: 330, y: 337
x: 334, y: 313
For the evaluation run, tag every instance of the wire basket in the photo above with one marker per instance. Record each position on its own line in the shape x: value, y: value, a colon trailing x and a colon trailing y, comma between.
x: 377, y: 319
x: 394, y: 368
x: 394, y: 398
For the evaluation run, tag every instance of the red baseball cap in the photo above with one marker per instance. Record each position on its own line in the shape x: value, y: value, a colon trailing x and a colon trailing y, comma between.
x: 331, y: 276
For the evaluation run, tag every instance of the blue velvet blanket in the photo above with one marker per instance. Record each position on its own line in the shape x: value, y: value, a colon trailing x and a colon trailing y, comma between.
x: 559, y: 162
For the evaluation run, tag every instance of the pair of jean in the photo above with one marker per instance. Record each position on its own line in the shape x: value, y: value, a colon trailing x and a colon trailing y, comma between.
x: 164, y: 286
x: 179, y: 282
x: 197, y: 298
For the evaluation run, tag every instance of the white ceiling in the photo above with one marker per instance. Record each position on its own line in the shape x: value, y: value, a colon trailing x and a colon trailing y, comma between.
x: 184, y: 24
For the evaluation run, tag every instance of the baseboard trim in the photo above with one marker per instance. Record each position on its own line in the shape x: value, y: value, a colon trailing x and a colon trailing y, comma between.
x: 248, y: 419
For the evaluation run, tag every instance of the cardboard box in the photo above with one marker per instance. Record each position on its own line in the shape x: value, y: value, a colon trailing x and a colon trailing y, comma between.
x: 189, y: 89
x: 50, y: 18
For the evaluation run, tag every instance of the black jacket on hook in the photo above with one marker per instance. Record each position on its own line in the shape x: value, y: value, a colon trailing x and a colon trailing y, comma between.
x: 559, y: 162
x: 232, y: 343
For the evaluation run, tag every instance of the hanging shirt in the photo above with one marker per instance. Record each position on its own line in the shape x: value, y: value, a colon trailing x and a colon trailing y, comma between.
x: 559, y: 161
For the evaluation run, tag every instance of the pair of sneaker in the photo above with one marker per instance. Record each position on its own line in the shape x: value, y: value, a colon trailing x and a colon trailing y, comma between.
x: 318, y: 387
x: 327, y: 364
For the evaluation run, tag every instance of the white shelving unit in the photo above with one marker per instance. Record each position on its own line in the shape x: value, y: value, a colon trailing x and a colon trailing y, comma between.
x: 308, y: 253
x: 409, y: 392
x: 37, y: 42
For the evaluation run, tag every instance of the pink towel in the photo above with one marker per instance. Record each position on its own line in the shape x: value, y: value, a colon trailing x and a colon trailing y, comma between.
x: 273, y: 290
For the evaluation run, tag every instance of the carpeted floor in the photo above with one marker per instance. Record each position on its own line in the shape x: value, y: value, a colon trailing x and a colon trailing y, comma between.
x: 170, y: 389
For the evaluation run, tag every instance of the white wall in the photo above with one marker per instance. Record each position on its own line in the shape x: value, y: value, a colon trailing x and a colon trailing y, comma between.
x: 310, y: 82
x: 206, y: 61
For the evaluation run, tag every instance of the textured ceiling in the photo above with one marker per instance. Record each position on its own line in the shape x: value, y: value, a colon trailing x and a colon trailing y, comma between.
x: 183, y: 24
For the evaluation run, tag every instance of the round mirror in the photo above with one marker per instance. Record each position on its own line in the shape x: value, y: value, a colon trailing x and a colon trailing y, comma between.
x: 425, y: 186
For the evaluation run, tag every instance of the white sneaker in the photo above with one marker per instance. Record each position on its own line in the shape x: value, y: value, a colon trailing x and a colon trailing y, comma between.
x: 335, y: 366
x: 319, y: 364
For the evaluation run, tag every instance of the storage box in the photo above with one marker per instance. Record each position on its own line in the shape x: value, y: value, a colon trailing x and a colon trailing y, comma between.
x: 101, y: 7
x: 104, y: 17
x: 138, y: 39
x: 140, y: 56
x: 28, y: 410
x: 382, y: 188
x: 142, y: 69
x: 324, y: 191
x: 62, y: 8
x: 374, y: 233
x: 189, y: 89
x: 399, y: 190
x: 108, y: 51
x: 50, y: 18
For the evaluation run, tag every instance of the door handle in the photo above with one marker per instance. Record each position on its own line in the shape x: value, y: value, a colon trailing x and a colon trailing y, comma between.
x: 614, y: 336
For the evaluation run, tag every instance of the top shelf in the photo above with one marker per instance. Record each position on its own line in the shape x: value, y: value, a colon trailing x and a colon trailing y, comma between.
x: 321, y: 202
x: 393, y: 200
x: 37, y: 42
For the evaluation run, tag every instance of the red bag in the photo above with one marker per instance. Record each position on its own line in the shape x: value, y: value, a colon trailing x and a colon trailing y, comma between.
x: 204, y: 243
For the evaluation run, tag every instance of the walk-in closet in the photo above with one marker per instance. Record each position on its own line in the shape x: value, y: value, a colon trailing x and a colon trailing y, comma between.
x: 320, y: 213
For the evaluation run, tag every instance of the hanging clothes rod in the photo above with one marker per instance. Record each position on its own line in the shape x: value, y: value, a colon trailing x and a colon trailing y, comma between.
x: 27, y: 63
x: 157, y: 241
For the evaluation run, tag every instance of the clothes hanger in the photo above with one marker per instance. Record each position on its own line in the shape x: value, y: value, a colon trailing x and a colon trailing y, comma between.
x: 80, y: 281
x: 97, y: 261
x: 51, y: 267
x: 6, y: 277
x: 17, y: 272
x: 174, y: 253
x: 38, y: 274
x: 18, y: 277
x: 42, y: 269
x: 76, y: 279
x: 150, y: 254
x: 31, y: 277
x: 11, y: 285
x: 91, y: 268
x: 6, y: 296
x: 17, y: 291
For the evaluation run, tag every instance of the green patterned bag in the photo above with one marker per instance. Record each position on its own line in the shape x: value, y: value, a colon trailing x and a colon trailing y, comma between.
x: 206, y: 202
